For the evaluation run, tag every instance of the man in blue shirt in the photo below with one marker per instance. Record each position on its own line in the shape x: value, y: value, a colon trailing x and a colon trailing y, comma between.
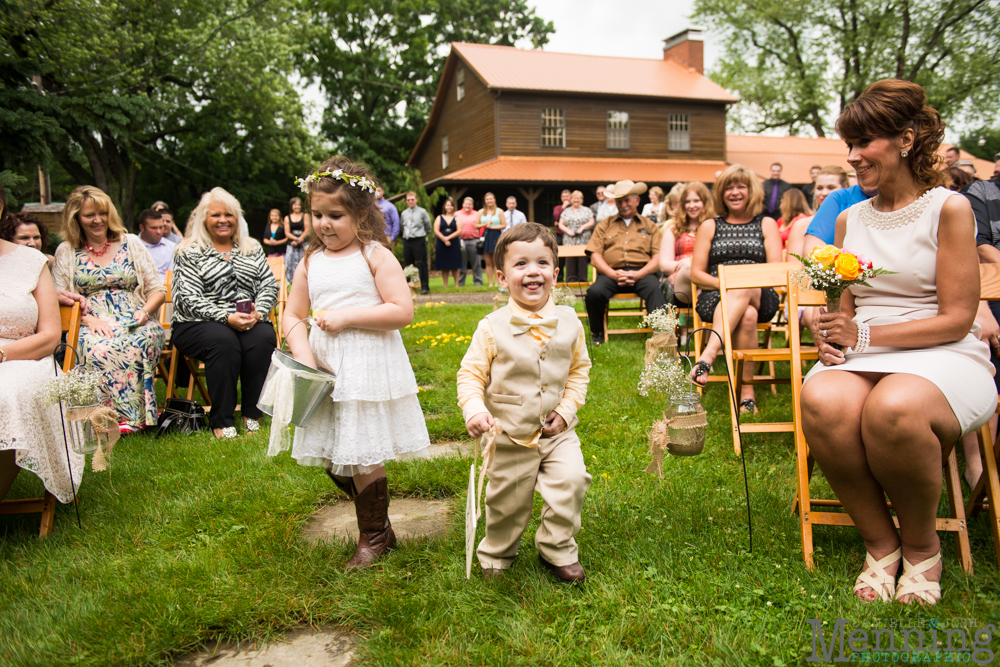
x: 824, y: 223
x: 389, y: 211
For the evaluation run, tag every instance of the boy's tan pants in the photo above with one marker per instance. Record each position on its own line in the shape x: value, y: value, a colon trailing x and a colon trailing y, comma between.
x: 557, y: 471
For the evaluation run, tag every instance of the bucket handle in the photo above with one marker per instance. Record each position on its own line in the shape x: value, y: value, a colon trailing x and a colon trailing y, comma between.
x: 313, y: 319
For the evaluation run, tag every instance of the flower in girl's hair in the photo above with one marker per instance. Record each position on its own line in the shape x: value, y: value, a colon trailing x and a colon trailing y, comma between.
x: 847, y: 266
x: 825, y: 255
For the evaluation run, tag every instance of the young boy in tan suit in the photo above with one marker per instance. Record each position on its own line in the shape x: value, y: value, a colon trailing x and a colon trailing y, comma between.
x: 525, y: 375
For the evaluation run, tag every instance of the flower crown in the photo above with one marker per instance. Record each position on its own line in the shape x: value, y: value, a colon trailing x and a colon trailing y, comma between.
x: 352, y: 180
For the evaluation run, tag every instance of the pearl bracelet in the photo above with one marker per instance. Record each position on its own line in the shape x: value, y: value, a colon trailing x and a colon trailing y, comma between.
x: 864, y: 338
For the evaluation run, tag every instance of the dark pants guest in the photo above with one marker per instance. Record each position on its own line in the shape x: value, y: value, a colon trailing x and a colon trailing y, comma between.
x: 576, y: 269
x: 415, y: 252
x: 229, y: 356
x: 600, y: 293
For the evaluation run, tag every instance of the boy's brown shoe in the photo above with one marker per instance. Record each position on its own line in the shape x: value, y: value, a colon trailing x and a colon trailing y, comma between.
x: 571, y: 574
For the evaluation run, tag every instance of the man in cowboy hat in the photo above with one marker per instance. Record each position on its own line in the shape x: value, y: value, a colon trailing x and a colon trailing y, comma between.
x: 625, y: 250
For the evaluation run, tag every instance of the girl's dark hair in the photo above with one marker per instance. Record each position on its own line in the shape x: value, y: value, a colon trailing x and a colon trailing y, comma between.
x: 886, y: 109
x: 3, y: 202
x: 369, y: 222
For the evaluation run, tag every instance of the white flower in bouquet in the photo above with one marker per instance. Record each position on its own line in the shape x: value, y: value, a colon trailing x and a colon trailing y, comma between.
x: 663, y: 319
x: 563, y: 296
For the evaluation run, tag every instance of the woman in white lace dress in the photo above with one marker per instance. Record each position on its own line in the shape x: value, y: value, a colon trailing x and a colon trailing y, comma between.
x: 356, y: 290
x: 913, y: 375
x: 31, y: 433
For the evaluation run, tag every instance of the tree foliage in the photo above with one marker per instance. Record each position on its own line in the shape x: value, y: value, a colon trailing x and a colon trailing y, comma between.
x: 117, y: 91
x: 379, y: 62
x: 795, y: 62
x: 984, y: 143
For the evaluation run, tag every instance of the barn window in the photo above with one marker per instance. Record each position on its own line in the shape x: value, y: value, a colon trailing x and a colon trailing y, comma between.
x: 553, y: 128
x: 680, y: 132
x: 618, y: 129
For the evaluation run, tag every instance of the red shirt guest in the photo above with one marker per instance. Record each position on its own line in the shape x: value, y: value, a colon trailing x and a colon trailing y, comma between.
x: 468, y: 221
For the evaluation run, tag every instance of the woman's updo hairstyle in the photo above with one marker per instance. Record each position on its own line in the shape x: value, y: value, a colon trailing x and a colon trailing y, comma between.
x: 886, y: 109
x: 369, y: 222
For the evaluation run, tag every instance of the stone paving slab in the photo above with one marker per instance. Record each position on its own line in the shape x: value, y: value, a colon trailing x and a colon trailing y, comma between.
x: 328, y: 647
x: 441, y: 450
x: 410, y: 518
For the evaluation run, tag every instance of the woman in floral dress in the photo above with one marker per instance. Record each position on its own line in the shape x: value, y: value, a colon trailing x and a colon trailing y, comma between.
x: 576, y: 223
x: 119, y: 336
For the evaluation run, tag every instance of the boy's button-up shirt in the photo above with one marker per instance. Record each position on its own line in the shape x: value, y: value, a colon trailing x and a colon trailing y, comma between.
x: 474, y: 373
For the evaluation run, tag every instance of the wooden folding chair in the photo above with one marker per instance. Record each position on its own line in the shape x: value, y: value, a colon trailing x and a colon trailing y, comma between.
x: 986, y: 495
x: 163, y: 365
x: 277, y: 265
x: 803, y: 502
x: 751, y: 276
x: 575, y: 251
x: 46, y: 505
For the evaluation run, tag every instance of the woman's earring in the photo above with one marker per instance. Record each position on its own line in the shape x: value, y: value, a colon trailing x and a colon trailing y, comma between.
x: 904, y: 154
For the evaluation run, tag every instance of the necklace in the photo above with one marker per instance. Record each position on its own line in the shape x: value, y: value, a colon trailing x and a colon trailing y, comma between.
x: 98, y: 253
x: 893, y: 219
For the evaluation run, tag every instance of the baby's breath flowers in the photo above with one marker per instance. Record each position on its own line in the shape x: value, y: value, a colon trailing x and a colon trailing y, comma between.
x: 411, y: 273
x: 662, y: 319
x: 78, y: 387
x: 563, y: 296
x: 666, y: 375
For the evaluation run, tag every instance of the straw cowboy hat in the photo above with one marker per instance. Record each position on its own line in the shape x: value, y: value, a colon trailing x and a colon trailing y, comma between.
x: 626, y: 188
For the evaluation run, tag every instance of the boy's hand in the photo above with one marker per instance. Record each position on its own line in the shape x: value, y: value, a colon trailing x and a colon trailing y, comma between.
x: 554, y: 424
x: 479, y: 424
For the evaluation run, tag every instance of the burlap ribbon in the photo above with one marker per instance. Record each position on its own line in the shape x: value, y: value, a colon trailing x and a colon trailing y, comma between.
x: 661, y: 342
x: 474, y: 504
x: 104, y: 421
x: 684, y: 442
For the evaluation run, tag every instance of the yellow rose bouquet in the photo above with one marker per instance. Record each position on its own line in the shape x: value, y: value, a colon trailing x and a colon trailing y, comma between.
x: 833, y: 270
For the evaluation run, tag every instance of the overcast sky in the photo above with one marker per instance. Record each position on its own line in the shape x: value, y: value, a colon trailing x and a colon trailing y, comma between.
x: 629, y: 28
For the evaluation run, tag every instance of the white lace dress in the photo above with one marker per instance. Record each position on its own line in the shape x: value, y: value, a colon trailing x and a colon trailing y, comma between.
x: 27, y: 425
x: 375, y: 415
x: 962, y: 369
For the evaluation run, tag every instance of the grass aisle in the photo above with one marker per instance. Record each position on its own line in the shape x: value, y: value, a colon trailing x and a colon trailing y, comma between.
x: 186, y: 540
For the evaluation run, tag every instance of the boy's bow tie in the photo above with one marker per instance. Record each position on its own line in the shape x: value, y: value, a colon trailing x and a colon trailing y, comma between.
x: 520, y: 324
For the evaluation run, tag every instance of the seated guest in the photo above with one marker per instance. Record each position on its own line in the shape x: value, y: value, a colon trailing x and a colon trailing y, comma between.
x: 31, y: 432
x: 794, y: 207
x: 28, y: 230
x: 174, y: 235
x: 912, y: 376
x: 679, y: 236
x: 624, y: 249
x: 656, y: 209
x: 740, y: 234
x: 218, y: 266
x: 152, y: 232
x: 119, y: 337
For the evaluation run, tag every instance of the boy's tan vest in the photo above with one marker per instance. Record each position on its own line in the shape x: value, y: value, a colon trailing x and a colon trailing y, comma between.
x: 527, y: 381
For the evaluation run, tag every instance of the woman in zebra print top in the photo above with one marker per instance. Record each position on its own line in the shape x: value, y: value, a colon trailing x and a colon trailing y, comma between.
x: 216, y: 266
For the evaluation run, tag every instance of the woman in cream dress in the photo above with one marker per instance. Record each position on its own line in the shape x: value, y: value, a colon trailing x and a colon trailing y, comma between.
x: 913, y: 376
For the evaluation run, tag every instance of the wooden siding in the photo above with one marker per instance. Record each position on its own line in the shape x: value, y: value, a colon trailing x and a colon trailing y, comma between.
x: 469, y: 124
x: 519, y: 125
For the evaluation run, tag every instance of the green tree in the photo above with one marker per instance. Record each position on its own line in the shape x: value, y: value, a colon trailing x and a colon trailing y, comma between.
x: 984, y: 143
x: 379, y: 62
x: 795, y: 62
x: 107, y: 89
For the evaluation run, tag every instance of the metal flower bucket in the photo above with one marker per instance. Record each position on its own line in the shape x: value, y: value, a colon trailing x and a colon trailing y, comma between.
x: 307, y: 386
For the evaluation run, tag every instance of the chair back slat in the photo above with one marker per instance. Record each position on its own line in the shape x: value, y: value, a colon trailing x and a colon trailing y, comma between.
x: 747, y: 276
x: 989, y: 282
x: 70, y: 321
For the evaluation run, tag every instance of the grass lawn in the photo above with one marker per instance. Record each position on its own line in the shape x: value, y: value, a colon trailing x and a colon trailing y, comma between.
x: 186, y: 540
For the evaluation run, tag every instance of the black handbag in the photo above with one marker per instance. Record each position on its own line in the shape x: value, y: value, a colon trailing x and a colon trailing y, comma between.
x: 480, y: 245
x: 181, y: 416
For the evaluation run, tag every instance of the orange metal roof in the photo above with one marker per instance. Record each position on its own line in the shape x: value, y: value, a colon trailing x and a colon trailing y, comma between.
x: 510, y: 68
x: 798, y: 154
x: 564, y: 170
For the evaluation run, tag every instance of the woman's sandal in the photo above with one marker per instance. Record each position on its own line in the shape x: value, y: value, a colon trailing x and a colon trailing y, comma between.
x: 748, y: 406
x: 912, y: 581
x: 700, y: 368
x: 882, y: 583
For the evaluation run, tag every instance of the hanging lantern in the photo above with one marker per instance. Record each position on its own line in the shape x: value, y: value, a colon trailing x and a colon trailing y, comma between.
x: 685, y: 421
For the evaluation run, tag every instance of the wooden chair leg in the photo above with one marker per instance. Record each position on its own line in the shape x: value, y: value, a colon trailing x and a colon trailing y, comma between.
x: 986, y: 495
x: 48, y: 515
x: 957, y: 507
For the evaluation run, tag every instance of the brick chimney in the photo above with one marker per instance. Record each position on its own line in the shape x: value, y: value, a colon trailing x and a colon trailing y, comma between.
x: 687, y: 48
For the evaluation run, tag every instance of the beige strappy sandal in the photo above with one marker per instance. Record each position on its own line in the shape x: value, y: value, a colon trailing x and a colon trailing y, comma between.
x: 876, y: 578
x: 913, y: 582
